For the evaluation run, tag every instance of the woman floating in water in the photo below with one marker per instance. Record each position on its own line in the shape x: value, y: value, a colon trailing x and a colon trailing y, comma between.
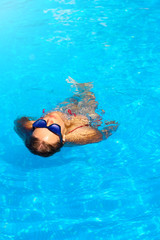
x: 72, y: 122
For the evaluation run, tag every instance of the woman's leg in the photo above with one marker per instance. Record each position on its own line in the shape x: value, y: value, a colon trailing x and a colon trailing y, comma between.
x: 81, y: 88
x: 86, y: 101
x: 83, y: 94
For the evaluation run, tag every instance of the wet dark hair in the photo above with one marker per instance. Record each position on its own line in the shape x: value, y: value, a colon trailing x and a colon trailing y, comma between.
x: 41, y: 148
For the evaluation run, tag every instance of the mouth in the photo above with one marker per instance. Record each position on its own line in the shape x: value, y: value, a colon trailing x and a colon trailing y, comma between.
x: 53, y: 116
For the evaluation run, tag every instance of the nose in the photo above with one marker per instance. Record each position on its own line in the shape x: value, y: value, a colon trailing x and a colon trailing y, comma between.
x: 49, y: 122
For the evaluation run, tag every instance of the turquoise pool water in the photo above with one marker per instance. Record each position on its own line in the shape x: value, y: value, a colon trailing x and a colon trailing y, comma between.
x: 103, y: 191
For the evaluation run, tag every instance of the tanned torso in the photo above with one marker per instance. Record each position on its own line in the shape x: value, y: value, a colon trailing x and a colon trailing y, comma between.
x: 73, y: 123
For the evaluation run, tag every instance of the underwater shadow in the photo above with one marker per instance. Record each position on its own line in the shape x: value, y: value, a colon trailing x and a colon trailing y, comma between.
x: 20, y: 157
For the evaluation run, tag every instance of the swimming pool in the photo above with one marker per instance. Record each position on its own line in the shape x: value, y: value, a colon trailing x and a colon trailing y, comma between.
x: 103, y: 191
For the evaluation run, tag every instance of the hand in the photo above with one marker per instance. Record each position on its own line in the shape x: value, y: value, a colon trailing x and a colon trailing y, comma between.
x: 23, y: 120
x: 111, y: 127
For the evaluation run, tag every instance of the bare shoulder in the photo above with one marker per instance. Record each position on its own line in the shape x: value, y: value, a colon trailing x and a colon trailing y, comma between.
x: 84, y: 135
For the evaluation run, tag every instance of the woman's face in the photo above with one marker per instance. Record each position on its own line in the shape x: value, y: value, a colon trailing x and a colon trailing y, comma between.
x: 46, y: 135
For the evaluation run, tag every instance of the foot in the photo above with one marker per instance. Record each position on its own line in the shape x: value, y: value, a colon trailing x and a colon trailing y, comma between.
x: 71, y: 80
x: 80, y: 87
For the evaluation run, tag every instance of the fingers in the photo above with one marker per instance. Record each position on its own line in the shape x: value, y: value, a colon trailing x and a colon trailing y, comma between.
x: 110, y: 122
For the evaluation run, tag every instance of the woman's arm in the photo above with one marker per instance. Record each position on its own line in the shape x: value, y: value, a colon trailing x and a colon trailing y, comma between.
x: 23, y: 127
